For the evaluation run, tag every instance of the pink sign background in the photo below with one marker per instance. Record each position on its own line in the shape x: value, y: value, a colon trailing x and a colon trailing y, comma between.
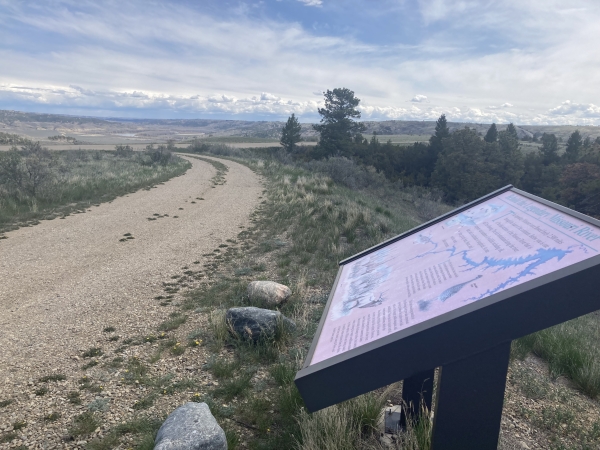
x: 503, y: 242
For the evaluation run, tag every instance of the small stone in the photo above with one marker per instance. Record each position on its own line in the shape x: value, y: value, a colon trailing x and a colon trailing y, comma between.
x: 191, y: 427
x: 253, y: 323
x: 269, y: 292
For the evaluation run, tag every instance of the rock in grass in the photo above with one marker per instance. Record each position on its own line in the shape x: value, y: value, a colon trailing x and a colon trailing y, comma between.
x: 191, y: 427
x: 269, y: 292
x: 257, y: 323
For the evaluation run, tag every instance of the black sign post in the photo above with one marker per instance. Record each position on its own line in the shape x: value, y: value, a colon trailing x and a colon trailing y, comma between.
x: 415, y: 389
x: 452, y: 294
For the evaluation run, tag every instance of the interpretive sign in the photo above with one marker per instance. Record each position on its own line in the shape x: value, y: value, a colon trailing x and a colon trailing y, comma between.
x: 505, y: 241
x: 467, y: 282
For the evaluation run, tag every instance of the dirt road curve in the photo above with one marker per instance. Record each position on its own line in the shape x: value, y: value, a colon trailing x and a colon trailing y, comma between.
x: 63, y: 281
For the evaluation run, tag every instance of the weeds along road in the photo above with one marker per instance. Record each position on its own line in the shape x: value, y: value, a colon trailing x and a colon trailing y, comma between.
x: 63, y: 281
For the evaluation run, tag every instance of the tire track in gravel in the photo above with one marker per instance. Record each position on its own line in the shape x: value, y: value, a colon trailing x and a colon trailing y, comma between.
x: 63, y: 281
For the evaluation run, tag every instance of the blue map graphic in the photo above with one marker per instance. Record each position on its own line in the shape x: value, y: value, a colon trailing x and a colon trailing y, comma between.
x: 530, y: 263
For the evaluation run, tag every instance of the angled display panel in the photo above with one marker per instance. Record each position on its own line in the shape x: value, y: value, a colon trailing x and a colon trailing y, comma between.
x: 450, y: 267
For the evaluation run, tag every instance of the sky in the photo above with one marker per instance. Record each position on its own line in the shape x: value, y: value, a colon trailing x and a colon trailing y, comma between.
x: 521, y: 61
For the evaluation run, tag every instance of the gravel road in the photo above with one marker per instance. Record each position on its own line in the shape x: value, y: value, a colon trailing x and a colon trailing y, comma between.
x: 63, y: 281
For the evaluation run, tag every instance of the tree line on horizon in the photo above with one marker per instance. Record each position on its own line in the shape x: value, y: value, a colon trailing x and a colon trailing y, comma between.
x: 462, y: 164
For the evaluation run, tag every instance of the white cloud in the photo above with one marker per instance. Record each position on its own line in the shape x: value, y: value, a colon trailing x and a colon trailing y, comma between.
x: 580, y: 110
x: 503, y: 105
x: 317, y: 3
x: 265, y: 96
x: 419, y: 98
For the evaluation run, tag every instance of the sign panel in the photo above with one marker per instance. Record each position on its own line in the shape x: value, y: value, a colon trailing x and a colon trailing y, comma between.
x: 505, y: 241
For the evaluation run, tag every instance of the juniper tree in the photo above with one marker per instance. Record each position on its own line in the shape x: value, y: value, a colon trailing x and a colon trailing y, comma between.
x: 441, y: 132
x: 290, y: 134
x: 574, y: 145
x: 549, y: 149
x: 492, y: 134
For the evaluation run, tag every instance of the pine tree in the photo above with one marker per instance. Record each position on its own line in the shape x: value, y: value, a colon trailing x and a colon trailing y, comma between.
x: 339, y: 131
x: 441, y: 132
x: 290, y: 134
x: 461, y: 170
x: 492, y: 134
x: 574, y: 145
x: 510, y: 167
x: 549, y: 149
x: 512, y: 130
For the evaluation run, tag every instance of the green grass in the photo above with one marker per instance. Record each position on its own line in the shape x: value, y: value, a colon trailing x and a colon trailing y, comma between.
x: 571, y: 350
x: 145, y: 402
x: 305, y: 225
x: 41, y: 391
x: 283, y: 373
x: 8, y: 437
x: 236, y: 387
x: 52, y: 417
x: 173, y: 323
x: 92, y: 352
x: 135, y: 371
x: 19, y: 425
x: 81, y: 179
x: 53, y: 377
x: 222, y: 368
x: 83, y: 424
x: 74, y: 398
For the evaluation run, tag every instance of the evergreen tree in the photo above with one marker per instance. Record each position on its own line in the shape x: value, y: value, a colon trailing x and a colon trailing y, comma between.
x: 549, y: 149
x: 492, y: 134
x: 509, y: 167
x: 512, y: 130
x: 461, y: 170
x: 441, y: 132
x: 339, y: 131
x: 574, y: 145
x: 290, y: 134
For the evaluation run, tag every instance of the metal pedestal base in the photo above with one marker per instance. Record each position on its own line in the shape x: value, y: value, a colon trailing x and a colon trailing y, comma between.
x: 469, y: 400
x: 413, y: 389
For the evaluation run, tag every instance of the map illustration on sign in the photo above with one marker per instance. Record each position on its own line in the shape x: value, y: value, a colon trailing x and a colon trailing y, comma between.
x: 503, y: 242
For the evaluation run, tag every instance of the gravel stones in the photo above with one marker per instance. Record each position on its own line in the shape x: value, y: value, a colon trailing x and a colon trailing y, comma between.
x: 191, y: 427
x: 268, y: 292
x: 257, y: 323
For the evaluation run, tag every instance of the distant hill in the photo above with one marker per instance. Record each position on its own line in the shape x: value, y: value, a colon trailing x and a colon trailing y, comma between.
x: 10, y: 117
x: 413, y: 127
x: 15, y: 121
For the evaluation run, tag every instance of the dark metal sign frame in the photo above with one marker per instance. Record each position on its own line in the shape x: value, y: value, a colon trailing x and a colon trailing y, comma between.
x: 485, y: 327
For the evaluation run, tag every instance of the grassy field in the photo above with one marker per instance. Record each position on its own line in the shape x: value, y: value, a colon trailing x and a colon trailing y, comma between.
x: 236, y: 140
x: 402, y: 139
x: 74, y: 180
x: 310, y: 217
x: 309, y: 222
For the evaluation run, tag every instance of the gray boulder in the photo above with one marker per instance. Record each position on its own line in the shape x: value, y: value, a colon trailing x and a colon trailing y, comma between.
x: 191, y: 427
x: 269, y: 292
x: 257, y: 323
